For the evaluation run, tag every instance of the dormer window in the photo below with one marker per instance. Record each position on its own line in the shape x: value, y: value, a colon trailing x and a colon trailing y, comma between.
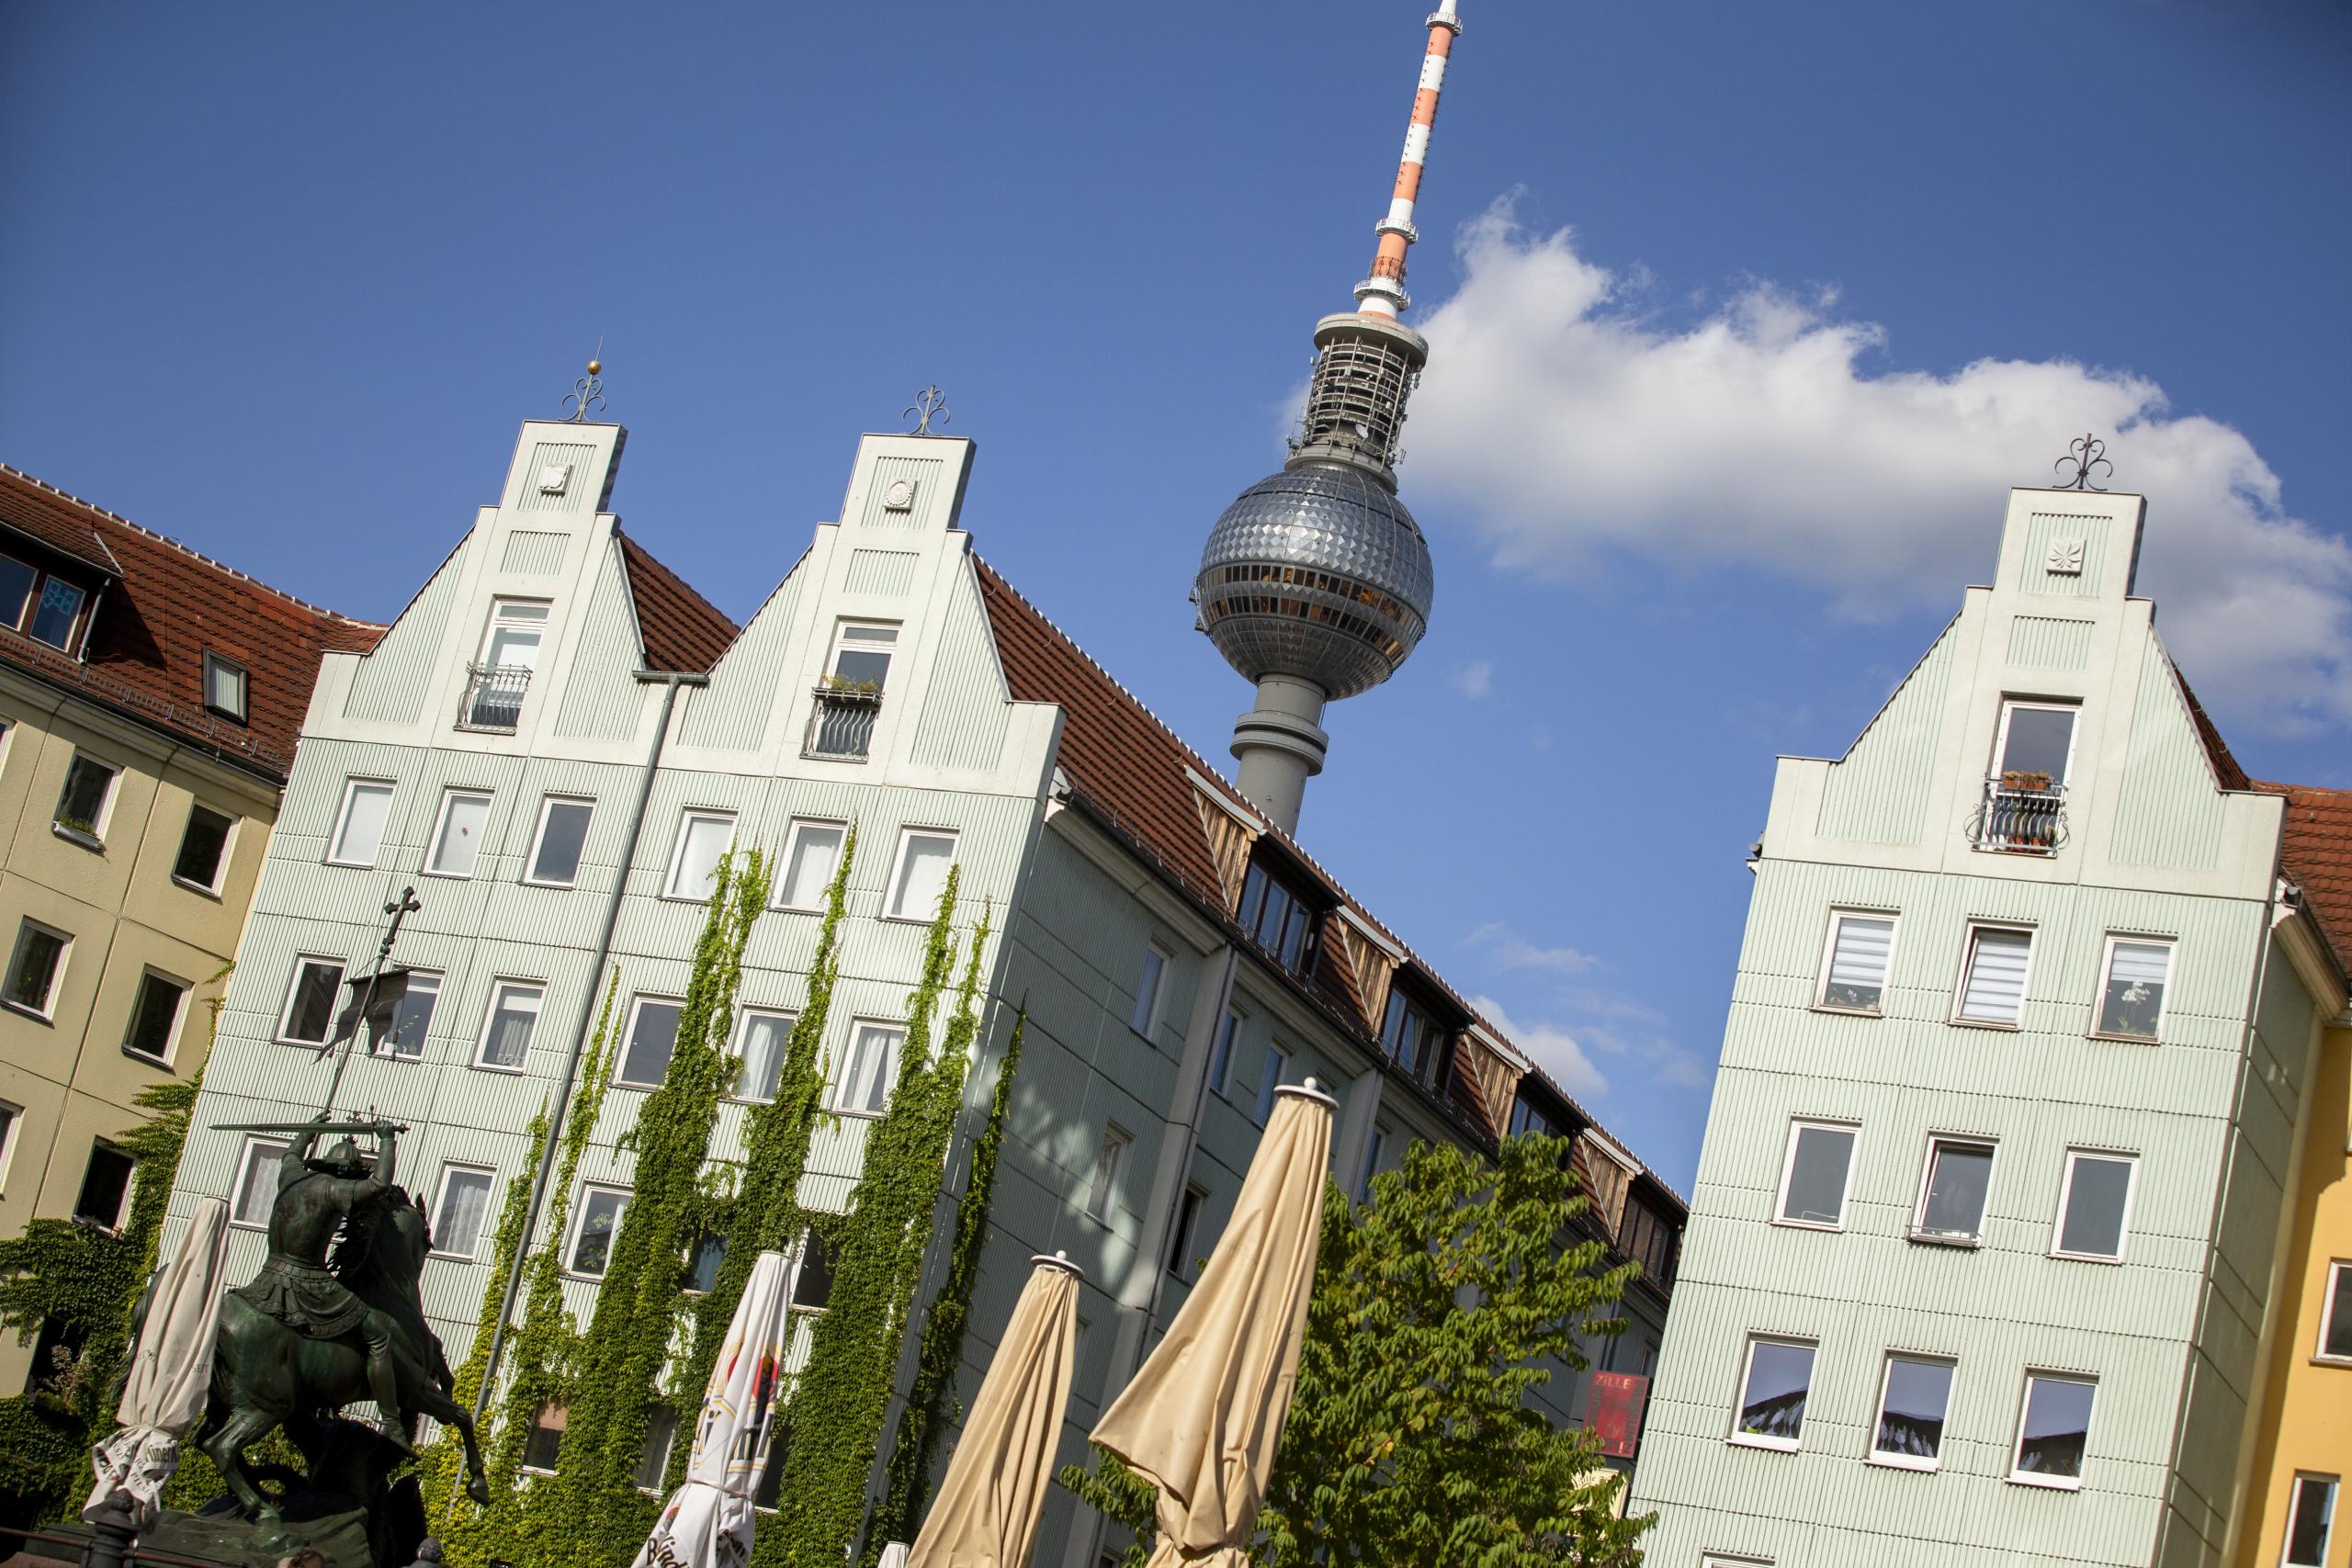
x: 224, y: 686
x: 44, y: 607
x: 1412, y: 1037
x: 1279, y: 920
x: 510, y: 653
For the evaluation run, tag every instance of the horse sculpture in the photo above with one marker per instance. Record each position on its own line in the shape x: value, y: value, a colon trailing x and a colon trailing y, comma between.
x: 266, y: 1374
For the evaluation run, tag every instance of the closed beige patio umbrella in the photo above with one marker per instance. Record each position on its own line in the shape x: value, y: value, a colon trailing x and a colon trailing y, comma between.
x: 986, y: 1513
x: 1201, y: 1418
x: 169, y: 1377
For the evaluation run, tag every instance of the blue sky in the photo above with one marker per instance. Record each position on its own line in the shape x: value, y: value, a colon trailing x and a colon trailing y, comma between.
x: 1742, y: 318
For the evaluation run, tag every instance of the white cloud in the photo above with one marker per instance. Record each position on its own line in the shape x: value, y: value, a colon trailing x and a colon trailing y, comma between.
x: 1568, y: 424
x: 1554, y: 1049
x: 1513, y: 951
x: 1476, y: 678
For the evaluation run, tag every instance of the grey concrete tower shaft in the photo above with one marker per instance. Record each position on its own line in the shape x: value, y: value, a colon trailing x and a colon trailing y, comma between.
x: 1281, y: 745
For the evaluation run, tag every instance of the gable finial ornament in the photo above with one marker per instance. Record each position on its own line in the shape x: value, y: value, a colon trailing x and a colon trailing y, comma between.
x: 929, y: 403
x: 588, y: 392
x: 2083, y: 456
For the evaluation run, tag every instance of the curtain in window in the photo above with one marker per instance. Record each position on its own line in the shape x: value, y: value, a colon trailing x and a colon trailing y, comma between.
x: 765, y: 1037
x: 1996, y: 988
x: 510, y: 1030
x: 463, y: 1203
x: 1858, y: 962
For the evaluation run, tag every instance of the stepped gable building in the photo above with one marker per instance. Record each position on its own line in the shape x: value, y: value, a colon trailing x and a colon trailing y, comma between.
x: 150, y: 699
x: 1994, y: 1217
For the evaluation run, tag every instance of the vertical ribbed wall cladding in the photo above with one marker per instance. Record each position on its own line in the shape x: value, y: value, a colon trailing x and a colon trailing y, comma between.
x: 926, y: 474
x: 885, y: 573
x: 579, y: 494
x: 393, y: 679
x: 750, y: 679
x: 602, y: 698
x: 2168, y: 811
x: 1878, y: 792
x: 534, y: 551
x: 2041, y: 642
x: 2045, y: 528
x: 966, y: 712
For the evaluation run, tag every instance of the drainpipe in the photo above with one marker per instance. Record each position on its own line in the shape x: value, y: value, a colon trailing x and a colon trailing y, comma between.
x: 670, y: 683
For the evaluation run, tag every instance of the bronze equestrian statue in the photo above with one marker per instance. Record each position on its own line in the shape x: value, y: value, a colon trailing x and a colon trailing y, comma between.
x: 318, y: 1329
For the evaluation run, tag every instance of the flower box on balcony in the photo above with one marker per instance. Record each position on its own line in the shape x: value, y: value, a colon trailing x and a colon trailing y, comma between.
x: 2015, y: 780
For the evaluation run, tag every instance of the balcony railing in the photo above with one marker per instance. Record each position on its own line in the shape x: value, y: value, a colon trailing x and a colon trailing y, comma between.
x: 842, y: 724
x: 2022, y: 814
x: 493, y: 697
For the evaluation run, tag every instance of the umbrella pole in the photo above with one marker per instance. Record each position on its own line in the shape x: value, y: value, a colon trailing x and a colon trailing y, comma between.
x: 110, y: 1535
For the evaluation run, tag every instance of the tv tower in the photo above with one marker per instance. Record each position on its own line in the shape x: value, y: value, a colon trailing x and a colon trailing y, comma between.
x: 1315, y: 583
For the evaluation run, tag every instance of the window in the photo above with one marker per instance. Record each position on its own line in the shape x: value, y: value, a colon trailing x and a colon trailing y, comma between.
x: 705, y: 1259
x: 760, y: 1041
x: 1145, y: 1017
x: 871, y: 1070
x: 81, y: 804
x: 1951, y: 1199
x: 10, y: 1116
x: 1772, y: 1391
x: 1182, y: 1239
x: 510, y: 653
x: 862, y: 654
x: 32, y: 972
x: 2094, y: 1205
x: 1527, y: 1117
x: 2053, y: 1429
x: 2132, y: 997
x: 849, y: 697
x: 359, y: 826
x: 653, y: 1455
x: 769, y: 1496
x: 2036, y: 743
x: 457, y: 838
x: 812, y: 1287
x: 1854, y: 966
x: 1716, y: 1560
x: 1221, y: 1062
x: 562, y: 834
x: 1278, y: 919
x: 545, y: 1445
x: 506, y: 1032
x: 652, y: 1035
x: 703, y: 837
x: 1413, y: 1038
x: 2311, y: 1521
x: 1914, y: 1398
x: 257, y: 1182
x: 812, y: 853
x: 411, y: 1016
x: 154, y: 1017
x: 1105, y: 1192
x: 1648, y: 1240
x: 920, y: 879
x: 1374, y: 1146
x: 1270, y: 1078
x: 43, y: 607
x: 601, y: 1209
x: 204, y: 845
x: 309, y: 1001
x: 105, y: 1183
x: 464, y: 1203
x: 224, y: 686
x: 1991, y: 984
x: 1815, y: 1174
x: 2335, y: 1315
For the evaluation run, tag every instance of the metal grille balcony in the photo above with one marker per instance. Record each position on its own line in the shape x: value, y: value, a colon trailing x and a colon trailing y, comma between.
x: 2021, y: 815
x: 493, y: 700
x: 842, y: 724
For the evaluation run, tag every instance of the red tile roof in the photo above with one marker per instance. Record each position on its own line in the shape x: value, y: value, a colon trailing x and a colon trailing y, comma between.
x: 683, y: 632
x: 153, y: 625
x: 2217, y: 750
x: 2316, y: 851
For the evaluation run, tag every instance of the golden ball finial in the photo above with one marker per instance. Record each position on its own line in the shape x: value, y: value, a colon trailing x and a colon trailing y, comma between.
x: 595, y: 367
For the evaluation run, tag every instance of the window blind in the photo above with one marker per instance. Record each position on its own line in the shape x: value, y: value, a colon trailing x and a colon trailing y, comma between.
x: 1995, y: 990
x: 1857, y: 961
x: 2139, y: 964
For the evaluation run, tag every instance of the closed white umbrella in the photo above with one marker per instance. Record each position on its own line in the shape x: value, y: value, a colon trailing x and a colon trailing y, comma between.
x: 169, y: 1377
x: 708, y: 1522
x: 1205, y: 1410
x: 986, y: 1513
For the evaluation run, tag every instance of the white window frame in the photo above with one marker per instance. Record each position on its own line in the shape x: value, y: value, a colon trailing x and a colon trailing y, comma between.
x: 628, y: 1033
x: 547, y: 803
x: 47, y: 1011
x: 2017, y: 1441
x: 1797, y: 1124
x: 377, y: 1048
x: 172, y: 1030
x: 578, y: 1225
x: 1927, y: 1173
x: 294, y: 988
x: 839, y: 1089
x: 450, y: 798
x: 489, y: 1018
x: 2294, y: 1512
x: 1739, y: 1392
x: 351, y: 787
x: 2327, y: 1316
x: 2164, y: 1003
x: 1967, y: 961
x: 686, y: 821
x: 1151, y: 988
x: 792, y: 833
x: 254, y: 1145
x: 2009, y: 706
x: 213, y: 661
x: 103, y: 818
x: 2066, y: 1193
x: 1717, y: 1560
x: 501, y: 618
x: 1876, y: 1455
x: 907, y: 837
x: 1838, y: 914
x: 228, y: 848
x: 12, y: 1121
x: 843, y: 640
x: 1110, y: 1166
x: 791, y: 1021
x: 527, y: 1469
x: 441, y: 1196
x: 1271, y: 1067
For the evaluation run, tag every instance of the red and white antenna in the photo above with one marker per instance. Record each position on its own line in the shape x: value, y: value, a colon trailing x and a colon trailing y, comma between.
x: 1383, y: 293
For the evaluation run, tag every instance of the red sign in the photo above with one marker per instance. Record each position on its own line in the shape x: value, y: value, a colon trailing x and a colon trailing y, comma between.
x: 1614, y: 1411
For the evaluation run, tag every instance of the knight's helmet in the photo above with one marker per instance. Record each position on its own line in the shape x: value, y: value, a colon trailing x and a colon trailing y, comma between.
x: 345, y: 1158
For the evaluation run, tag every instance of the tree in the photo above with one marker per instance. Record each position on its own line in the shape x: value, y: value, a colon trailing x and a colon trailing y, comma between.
x: 1441, y: 1306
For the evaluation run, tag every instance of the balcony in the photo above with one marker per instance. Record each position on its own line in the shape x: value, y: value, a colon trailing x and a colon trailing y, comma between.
x: 2023, y: 813
x: 841, y: 727
x: 493, y: 701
